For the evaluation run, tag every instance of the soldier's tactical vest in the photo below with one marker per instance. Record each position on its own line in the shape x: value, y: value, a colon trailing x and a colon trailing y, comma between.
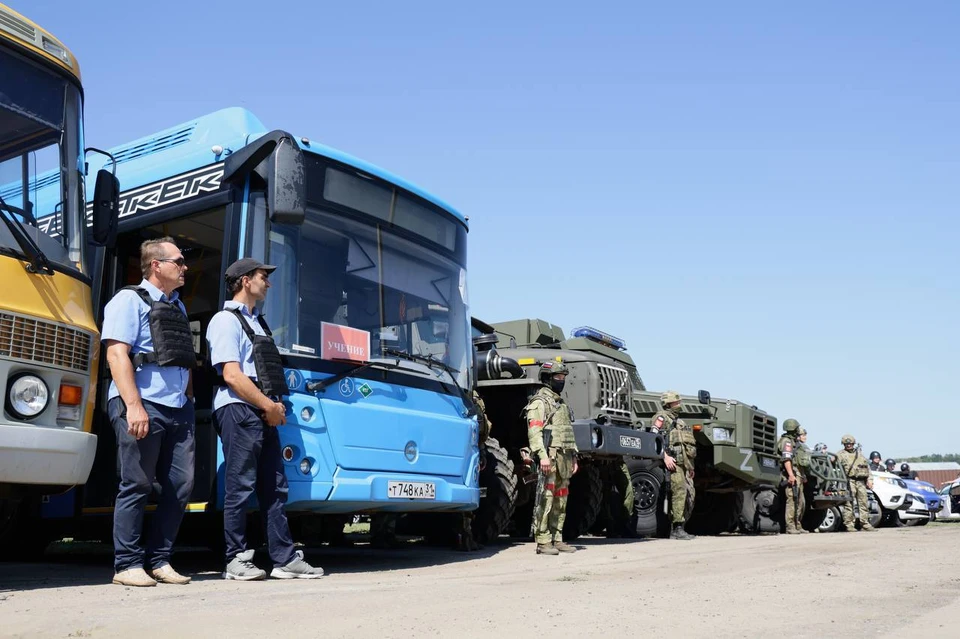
x: 170, y: 332
x: 266, y: 358
x: 681, y: 439
x: 557, y: 420
x: 781, y: 445
x: 802, y: 457
x: 856, y: 465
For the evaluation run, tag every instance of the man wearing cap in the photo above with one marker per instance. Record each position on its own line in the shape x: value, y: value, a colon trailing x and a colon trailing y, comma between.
x: 149, y: 348
x: 247, y: 410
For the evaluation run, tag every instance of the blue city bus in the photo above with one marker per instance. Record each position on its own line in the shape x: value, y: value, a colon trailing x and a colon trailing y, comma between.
x: 356, y: 247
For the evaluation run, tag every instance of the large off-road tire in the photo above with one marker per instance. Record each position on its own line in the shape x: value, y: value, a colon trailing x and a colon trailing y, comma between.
x: 583, y: 503
x: 649, y: 498
x: 758, y: 513
x: 495, y: 511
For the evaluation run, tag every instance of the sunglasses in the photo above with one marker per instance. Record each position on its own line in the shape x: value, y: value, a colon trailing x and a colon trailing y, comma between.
x: 179, y: 261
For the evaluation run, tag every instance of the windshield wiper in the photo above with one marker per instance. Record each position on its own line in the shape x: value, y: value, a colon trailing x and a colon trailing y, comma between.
x: 435, y: 363
x: 321, y: 384
x: 38, y: 261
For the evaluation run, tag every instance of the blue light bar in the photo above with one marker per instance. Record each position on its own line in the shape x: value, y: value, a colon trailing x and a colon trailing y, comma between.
x: 599, y: 337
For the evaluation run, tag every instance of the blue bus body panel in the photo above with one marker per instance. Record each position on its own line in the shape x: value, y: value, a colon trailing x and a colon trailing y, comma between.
x: 356, y: 440
x: 188, y: 146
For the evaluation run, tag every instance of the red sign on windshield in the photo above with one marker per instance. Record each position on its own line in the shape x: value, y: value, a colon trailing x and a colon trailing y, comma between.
x: 343, y: 342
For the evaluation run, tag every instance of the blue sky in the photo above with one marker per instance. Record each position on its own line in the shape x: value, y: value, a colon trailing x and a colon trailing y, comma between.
x: 760, y: 199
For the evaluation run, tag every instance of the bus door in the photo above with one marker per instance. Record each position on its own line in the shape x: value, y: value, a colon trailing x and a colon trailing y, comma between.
x: 200, y: 238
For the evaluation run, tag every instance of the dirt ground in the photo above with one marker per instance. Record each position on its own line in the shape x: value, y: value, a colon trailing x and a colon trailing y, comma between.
x: 887, y: 583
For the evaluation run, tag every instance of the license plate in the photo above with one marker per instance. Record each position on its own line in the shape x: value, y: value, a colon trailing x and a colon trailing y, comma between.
x: 630, y: 442
x: 411, y: 490
x: 768, y: 462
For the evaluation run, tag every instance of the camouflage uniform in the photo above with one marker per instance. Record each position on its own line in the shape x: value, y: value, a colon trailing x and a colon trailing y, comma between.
x: 679, y: 438
x: 464, y: 536
x: 624, y: 484
x: 789, y: 451
x: 858, y: 470
x: 547, y: 410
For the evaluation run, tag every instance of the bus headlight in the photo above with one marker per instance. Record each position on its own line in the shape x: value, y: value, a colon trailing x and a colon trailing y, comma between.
x: 27, y: 396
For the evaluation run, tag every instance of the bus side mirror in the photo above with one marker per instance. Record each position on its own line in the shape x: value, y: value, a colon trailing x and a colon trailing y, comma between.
x: 106, y: 208
x: 286, y: 185
x: 703, y: 397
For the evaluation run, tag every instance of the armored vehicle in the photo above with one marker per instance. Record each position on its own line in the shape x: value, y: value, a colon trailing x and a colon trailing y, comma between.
x: 598, y: 391
x: 737, y: 472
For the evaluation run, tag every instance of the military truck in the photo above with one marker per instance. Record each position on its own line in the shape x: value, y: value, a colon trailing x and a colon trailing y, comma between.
x: 737, y: 471
x: 598, y: 390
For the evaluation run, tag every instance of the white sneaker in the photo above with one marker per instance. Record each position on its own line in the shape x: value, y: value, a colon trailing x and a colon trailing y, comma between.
x: 297, y: 569
x: 242, y: 568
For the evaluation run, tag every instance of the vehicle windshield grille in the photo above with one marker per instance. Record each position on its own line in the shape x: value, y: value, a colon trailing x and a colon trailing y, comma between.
x: 614, y: 391
x: 764, y: 433
x: 34, y: 340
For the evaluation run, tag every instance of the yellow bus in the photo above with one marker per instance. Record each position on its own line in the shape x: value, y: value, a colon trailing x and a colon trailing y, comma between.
x: 49, y: 343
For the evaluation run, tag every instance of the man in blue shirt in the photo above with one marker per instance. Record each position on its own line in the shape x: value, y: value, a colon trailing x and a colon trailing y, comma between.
x: 151, y: 410
x: 247, y: 410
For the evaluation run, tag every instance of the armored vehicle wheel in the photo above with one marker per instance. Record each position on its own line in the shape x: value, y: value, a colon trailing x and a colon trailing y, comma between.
x: 583, y: 504
x: 649, y: 494
x: 495, y: 511
x: 758, y: 513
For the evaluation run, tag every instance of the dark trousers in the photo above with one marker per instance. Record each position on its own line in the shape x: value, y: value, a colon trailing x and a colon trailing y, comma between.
x: 165, y: 455
x: 252, y: 463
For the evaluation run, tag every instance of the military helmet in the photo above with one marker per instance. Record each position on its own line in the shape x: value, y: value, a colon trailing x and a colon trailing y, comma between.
x: 553, y: 367
x: 848, y: 439
x: 791, y: 425
x: 669, y: 396
x: 876, y: 454
x: 890, y: 462
x: 905, y: 468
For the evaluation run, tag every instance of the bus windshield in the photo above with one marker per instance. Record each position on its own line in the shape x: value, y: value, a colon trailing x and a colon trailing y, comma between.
x: 41, y: 162
x: 412, y: 298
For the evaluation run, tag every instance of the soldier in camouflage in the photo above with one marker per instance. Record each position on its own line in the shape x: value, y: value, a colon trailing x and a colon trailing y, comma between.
x: 679, y: 460
x: 792, y: 452
x: 858, y: 471
x: 464, y: 536
x: 550, y: 420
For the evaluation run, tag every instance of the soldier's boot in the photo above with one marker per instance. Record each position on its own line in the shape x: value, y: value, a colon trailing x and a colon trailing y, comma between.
x: 866, y: 526
x: 547, y: 549
x: 679, y: 533
x: 563, y: 546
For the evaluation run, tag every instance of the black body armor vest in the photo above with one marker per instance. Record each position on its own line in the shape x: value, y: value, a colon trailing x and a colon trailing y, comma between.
x: 266, y: 358
x: 170, y: 332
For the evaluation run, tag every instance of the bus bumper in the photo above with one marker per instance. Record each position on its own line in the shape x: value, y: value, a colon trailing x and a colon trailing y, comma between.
x: 364, y: 491
x: 40, y: 455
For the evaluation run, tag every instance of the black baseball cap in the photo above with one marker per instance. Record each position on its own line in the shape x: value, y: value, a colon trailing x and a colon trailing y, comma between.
x: 246, y: 265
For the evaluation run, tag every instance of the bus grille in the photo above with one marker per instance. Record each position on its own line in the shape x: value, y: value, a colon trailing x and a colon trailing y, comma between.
x: 764, y: 433
x: 44, y: 342
x: 614, y: 390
